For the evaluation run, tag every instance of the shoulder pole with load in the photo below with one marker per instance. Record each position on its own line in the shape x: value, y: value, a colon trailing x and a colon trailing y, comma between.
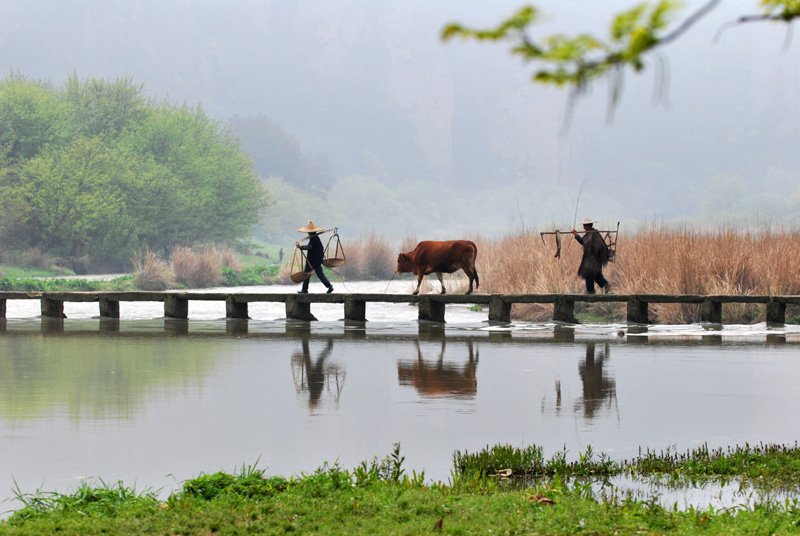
x: 609, y: 237
x: 333, y: 256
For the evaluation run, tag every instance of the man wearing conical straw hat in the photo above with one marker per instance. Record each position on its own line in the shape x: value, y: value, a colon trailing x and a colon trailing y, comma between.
x: 314, y: 256
x: 595, y: 256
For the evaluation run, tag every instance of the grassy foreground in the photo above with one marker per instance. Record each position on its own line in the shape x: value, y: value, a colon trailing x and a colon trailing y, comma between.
x: 380, y: 498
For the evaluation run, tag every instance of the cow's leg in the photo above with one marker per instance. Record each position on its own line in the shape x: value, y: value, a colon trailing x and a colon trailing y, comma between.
x: 419, y: 282
x: 471, y: 276
x: 439, y: 275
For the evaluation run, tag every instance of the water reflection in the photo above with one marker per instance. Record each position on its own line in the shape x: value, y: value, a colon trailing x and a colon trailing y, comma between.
x: 437, y: 378
x: 599, y: 388
x: 88, y: 397
x: 94, y: 374
x: 314, y: 376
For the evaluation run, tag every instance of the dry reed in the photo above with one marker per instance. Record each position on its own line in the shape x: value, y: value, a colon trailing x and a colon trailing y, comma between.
x: 197, y: 268
x: 369, y: 257
x: 655, y: 260
x: 151, y: 272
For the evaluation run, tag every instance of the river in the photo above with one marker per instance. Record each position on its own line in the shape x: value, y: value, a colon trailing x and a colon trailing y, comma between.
x: 153, y: 401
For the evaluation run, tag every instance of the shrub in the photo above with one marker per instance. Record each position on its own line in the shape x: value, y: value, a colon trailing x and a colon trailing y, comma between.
x: 228, y: 258
x: 369, y: 257
x: 151, y: 272
x: 32, y: 258
x: 197, y: 269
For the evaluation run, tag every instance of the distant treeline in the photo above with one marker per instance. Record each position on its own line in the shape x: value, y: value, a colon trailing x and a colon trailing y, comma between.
x: 95, y: 168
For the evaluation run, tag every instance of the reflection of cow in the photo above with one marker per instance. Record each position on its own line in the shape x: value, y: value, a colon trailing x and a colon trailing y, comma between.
x: 440, y: 257
x: 439, y: 378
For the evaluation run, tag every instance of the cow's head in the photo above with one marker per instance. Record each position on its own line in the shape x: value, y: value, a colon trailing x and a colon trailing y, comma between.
x: 404, y: 264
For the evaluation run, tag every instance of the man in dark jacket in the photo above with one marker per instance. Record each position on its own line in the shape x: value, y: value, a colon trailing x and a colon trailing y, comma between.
x: 314, y: 256
x: 595, y: 257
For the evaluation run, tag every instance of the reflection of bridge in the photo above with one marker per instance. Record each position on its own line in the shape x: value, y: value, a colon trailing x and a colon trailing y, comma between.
x: 351, y: 331
x: 431, y: 307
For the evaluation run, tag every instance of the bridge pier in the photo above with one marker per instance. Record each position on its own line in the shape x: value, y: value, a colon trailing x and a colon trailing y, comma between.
x: 711, y: 311
x: 431, y: 309
x: 355, y: 309
x: 52, y: 308
x: 499, y: 309
x: 297, y: 309
x: 109, y: 308
x: 175, y: 307
x: 638, y: 311
x: 2, y: 308
x: 234, y: 309
x: 564, y: 310
x: 776, y: 312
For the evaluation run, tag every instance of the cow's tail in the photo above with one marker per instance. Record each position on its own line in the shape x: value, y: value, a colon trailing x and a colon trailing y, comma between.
x: 474, y: 269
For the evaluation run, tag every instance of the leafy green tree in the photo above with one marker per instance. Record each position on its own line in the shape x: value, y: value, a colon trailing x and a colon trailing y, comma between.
x: 31, y: 117
x: 103, y: 108
x: 75, y: 200
x: 97, y: 168
x: 198, y: 184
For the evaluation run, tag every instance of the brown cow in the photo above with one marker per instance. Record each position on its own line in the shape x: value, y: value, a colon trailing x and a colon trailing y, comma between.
x: 440, y: 257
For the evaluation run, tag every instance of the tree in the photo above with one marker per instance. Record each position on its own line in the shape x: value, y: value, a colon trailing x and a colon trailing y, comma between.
x: 75, y: 200
x: 31, y: 117
x: 102, y: 108
x: 96, y: 168
x: 197, y: 183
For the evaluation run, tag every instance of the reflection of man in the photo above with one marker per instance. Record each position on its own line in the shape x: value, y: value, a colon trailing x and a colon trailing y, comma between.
x: 315, y: 372
x: 598, y: 387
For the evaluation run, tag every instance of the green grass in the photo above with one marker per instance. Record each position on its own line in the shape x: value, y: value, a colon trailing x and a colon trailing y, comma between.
x: 379, y: 497
x: 530, y: 462
x: 252, y: 275
x: 763, y: 465
x: 55, y: 285
x: 16, y: 271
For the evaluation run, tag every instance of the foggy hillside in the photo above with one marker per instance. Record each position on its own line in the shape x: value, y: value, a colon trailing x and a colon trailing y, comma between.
x: 366, y: 88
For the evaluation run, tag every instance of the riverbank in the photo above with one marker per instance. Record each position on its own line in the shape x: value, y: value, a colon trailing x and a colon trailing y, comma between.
x: 380, y: 497
x: 249, y: 276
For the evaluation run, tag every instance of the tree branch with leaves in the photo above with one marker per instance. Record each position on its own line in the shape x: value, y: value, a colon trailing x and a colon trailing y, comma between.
x: 577, y: 62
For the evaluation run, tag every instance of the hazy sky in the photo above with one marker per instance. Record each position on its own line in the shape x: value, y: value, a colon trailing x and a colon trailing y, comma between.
x: 370, y: 84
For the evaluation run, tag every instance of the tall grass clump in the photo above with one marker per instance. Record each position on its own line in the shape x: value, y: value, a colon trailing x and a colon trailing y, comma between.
x: 369, y: 257
x: 198, y: 268
x: 151, y: 272
x: 529, y: 462
x: 102, y: 500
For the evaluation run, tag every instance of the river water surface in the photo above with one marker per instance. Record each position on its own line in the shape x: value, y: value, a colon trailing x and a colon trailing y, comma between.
x: 153, y: 401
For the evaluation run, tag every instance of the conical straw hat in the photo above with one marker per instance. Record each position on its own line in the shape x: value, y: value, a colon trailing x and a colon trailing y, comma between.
x: 311, y: 228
